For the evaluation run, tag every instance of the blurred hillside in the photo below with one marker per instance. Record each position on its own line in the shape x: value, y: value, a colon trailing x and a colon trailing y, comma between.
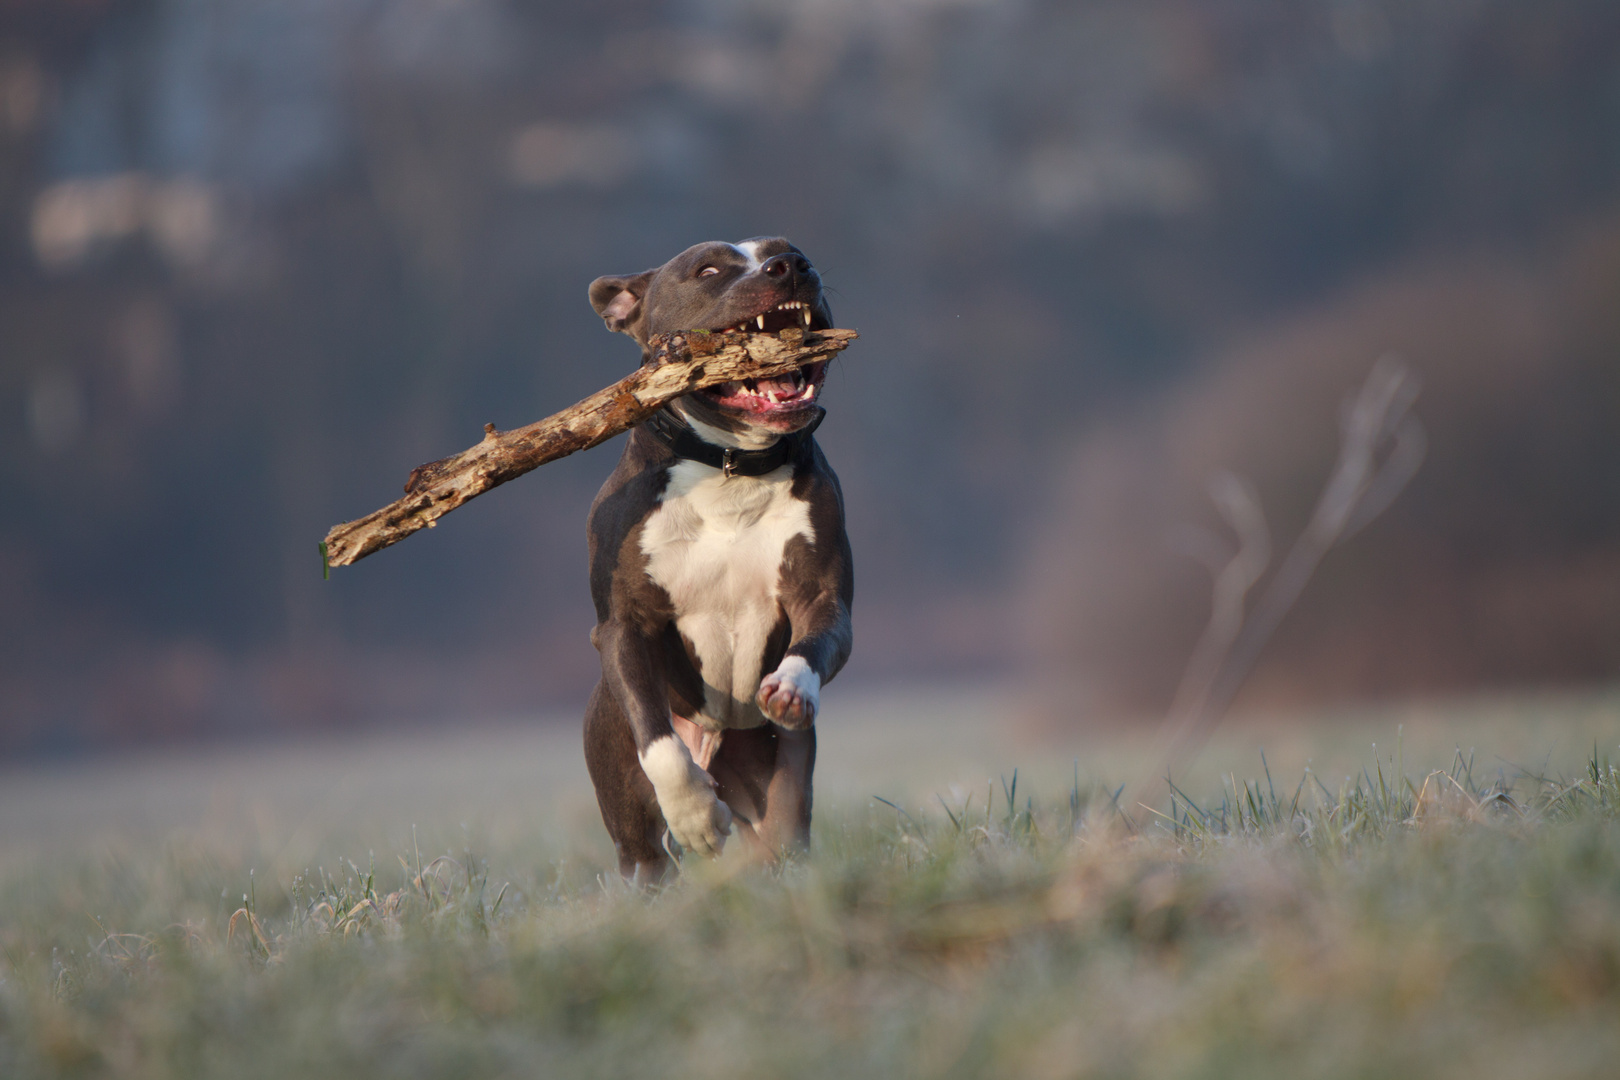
x: 258, y: 258
x: 1498, y: 565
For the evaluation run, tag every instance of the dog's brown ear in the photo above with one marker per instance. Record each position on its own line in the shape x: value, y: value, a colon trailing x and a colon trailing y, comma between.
x: 618, y: 300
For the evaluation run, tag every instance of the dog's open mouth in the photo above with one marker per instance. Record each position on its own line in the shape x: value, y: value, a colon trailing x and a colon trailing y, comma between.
x: 784, y: 393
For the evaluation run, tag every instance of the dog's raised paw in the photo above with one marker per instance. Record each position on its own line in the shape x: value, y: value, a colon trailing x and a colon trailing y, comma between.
x: 696, y: 817
x: 791, y: 694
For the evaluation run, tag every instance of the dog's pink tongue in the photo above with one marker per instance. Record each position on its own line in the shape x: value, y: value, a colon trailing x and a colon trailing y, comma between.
x: 783, y: 385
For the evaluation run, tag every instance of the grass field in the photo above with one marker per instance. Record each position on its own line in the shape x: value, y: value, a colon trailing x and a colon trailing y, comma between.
x: 1447, y: 905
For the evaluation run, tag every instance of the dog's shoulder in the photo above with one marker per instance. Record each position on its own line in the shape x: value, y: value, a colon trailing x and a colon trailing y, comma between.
x: 814, y: 480
x: 821, y: 555
x: 618, y: 514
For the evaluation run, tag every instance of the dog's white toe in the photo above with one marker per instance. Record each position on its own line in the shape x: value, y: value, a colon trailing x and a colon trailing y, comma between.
x: 791, y: 694
x: 697, y: 819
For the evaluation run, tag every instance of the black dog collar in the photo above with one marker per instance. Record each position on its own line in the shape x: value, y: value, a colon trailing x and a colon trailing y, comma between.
x: 683, y: 442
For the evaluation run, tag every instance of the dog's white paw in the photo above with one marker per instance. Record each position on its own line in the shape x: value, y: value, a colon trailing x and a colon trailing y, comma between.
x: 791, y: 694
x: 697, y: 819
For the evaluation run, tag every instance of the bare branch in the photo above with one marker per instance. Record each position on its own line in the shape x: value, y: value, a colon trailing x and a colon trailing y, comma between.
x: 1380, y: 448
x: 681, y: 364
x: 1239, y: 505
x: 1411, y: 445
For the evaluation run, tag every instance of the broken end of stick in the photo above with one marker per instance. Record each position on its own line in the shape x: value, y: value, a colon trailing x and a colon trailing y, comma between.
x: 348, y: 543
x: 337, y: 550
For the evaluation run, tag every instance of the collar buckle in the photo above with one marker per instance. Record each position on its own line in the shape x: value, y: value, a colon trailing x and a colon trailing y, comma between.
x: 728, y: 462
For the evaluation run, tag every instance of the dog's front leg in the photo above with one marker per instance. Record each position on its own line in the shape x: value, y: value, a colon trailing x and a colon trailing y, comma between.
x: 791, y: 695
x: 631, y: 667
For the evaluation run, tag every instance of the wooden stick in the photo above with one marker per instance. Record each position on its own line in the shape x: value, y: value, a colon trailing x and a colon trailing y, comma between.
x: 681, y: 364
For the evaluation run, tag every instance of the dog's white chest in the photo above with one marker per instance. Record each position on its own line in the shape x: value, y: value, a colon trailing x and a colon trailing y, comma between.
x: 715, y: 546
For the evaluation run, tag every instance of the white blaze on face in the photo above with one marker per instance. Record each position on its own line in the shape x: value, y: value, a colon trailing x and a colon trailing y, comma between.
x: 749, y: 249
x: 697, y: 820
x: 715, y: 546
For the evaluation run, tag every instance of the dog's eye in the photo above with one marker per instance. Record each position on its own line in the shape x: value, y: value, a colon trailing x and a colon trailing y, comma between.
x: 708, y: 271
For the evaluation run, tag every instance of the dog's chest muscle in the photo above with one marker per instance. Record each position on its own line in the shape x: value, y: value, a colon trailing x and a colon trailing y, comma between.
x: 715, y: 545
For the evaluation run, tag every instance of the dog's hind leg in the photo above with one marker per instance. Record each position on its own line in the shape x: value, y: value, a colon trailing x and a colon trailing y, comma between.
x: 623, y: 792
x: 786, y: 825
x: 764, y: 776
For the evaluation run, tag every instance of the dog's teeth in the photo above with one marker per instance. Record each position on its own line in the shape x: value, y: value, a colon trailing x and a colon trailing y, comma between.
x: 761, y: 320
x: 806, y: 313
x: 810, y: 392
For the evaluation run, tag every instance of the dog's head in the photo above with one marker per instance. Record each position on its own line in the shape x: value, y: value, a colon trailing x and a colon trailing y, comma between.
x: 759, y: 286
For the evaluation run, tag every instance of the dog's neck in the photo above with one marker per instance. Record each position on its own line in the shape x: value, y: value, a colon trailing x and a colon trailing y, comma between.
x: 747, y: 439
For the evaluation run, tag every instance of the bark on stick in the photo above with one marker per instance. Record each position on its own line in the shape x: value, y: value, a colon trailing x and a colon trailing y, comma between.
x: 681, y: 364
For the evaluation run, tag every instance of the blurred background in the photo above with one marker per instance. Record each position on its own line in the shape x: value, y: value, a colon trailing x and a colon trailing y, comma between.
x: 258, y: 258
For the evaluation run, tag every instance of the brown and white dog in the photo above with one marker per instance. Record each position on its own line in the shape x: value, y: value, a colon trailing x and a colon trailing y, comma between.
x: 721, y: 575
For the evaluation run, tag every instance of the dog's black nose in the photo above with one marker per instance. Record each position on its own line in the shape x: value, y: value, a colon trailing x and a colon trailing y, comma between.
x: 781, y: 265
